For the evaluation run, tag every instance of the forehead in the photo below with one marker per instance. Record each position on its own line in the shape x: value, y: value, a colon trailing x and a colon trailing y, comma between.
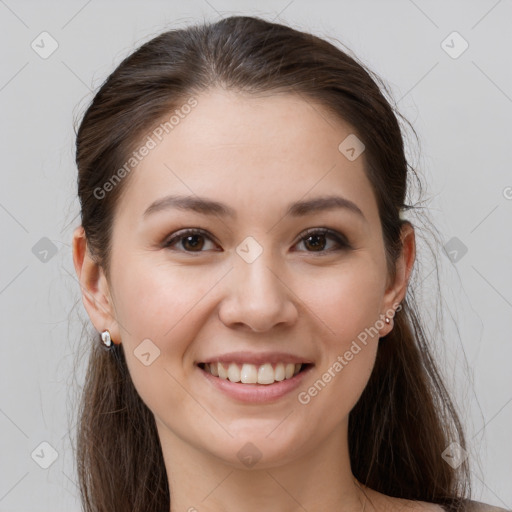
x: 254, y: 152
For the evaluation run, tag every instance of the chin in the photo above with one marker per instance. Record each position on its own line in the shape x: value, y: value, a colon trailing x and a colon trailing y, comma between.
x: 259, y: 450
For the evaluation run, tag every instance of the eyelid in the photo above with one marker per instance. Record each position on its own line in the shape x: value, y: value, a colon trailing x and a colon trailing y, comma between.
x: 183, y: 233
x: 339, y: 238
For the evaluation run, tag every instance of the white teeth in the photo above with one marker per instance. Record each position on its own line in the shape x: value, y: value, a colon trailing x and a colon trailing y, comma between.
x: 223, y: 374
x: 279, y: 372
x: 234, y: 373
x: 249, y: 374
x: 253, y: 374
x: 265, y: 373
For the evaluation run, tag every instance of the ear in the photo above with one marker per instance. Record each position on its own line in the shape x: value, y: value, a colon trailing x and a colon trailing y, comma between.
x: 396, y: 290
x: 96, y: 295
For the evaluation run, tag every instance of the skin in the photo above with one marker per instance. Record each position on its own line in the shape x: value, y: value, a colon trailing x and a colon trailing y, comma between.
x: 257, y: 154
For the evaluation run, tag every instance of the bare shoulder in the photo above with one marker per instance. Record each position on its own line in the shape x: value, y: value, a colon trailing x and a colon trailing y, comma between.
x: 386, y: 503
x: 423, y: 506
x: 471, y: 506
x: 477, y: 506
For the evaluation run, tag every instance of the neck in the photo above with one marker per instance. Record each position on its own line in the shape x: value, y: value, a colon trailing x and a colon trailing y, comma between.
x: 317, y: 479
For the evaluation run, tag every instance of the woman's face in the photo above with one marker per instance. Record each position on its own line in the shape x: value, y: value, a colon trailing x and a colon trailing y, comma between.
x: 253, y: 286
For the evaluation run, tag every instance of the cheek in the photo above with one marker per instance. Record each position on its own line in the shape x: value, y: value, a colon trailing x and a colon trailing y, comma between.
x: 347, y: 305
x: 166, y: 305
x: 346, y: 300
x: 158, y: 301
x: 169, y: 305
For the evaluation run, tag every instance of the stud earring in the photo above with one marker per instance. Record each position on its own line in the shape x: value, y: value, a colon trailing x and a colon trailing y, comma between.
x: 387, y: 320
x: 106, y: 338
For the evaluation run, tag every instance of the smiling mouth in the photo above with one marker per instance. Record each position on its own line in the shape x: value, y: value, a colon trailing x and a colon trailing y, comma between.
x: 246, y: 373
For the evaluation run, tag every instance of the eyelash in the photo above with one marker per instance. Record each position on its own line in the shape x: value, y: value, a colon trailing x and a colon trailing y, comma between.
x: 338, y: 238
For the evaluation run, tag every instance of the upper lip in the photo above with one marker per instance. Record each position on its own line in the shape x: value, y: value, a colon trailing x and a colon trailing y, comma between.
x: 256, y: 358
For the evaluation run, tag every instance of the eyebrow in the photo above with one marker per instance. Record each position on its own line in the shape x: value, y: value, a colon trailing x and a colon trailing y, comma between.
x: 207, y: 206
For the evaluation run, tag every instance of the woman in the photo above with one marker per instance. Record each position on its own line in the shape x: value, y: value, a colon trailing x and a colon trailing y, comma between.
x: 244, y: 256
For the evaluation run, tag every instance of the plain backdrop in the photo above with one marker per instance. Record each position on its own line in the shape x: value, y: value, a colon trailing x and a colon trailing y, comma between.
x: 456, y: 89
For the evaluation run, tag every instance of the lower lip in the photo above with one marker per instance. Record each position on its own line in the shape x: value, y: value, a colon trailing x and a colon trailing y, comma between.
x: 256, y: 393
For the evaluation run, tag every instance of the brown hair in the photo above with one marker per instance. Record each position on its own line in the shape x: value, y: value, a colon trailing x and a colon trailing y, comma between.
x: 404, y: 419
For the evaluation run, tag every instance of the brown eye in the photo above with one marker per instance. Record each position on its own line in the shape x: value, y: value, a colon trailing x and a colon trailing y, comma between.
x: 196, y: 242
x: 191, y: 240
x: 316, y: 240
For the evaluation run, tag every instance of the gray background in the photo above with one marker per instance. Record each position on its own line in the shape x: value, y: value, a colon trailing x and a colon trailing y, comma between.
x: 461, y: 108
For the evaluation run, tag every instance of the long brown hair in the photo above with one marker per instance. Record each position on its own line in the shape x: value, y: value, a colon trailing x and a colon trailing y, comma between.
x: 404, y: 419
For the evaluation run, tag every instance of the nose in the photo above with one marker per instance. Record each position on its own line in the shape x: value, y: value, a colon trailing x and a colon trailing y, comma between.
x: 257, y: 296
